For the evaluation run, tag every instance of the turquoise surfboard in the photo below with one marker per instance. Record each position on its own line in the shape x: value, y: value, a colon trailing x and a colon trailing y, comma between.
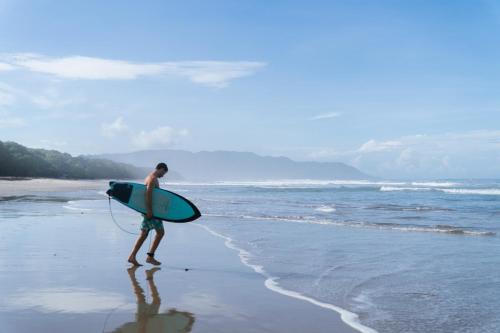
x: 167, y: 206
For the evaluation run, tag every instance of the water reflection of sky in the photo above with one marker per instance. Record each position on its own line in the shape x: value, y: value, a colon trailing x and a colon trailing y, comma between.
x: 66, y: 300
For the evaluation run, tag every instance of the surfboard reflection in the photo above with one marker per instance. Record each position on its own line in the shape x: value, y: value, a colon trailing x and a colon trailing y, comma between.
x: 147, y: 318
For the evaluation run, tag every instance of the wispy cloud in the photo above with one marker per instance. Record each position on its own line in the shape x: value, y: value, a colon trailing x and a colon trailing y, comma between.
x: 326, y: 116
x: 159, y: 137
x: 51, y: 98
x: 209, y: 73
x: 433, y: 155
x: 452, y: 154
x: 373, y: 146
x: 114, y: 128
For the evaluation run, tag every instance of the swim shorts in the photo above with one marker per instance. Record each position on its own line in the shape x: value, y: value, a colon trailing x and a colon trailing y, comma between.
x: 152, y: 223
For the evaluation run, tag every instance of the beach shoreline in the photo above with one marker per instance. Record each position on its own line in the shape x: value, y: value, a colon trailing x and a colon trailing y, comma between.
x: 62, y: 280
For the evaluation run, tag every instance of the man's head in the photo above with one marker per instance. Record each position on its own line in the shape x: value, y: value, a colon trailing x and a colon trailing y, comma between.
x: 161, y: 169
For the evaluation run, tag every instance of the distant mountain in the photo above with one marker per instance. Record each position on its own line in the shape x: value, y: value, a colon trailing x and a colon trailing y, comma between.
x: 19, y: 161
x: 229, y: 165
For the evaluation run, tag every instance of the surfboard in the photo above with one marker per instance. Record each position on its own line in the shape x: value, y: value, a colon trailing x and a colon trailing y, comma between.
x: 167, y: 206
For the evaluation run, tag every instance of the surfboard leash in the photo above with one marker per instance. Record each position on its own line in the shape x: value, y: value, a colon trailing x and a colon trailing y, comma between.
x: 116, y: 223
x: 120, y: 227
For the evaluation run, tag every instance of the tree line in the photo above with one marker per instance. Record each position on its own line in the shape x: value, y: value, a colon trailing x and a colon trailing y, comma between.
x: 19, y: 161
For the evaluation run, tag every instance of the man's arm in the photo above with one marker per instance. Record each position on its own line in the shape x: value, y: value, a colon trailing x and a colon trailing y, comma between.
x: 150, y: 185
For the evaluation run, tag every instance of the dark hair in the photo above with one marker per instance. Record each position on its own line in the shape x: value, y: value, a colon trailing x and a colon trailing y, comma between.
x: 162, y: 166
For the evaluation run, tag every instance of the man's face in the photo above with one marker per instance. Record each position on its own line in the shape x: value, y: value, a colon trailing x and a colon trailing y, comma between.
x: 161, y: 172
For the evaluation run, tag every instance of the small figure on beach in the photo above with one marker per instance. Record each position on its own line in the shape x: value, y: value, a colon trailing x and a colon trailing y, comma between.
x: 149, y: 222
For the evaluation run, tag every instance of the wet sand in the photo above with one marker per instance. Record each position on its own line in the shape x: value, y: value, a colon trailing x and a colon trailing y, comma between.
x: 68, y: 273
x: 27, y: 186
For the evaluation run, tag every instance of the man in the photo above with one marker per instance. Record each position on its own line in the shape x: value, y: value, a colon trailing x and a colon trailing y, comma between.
x: 149, y: 222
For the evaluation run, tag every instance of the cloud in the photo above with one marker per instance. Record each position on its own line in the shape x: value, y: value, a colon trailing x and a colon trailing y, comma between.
x: 159, y: 137
x: 373, y: 146
x: 209, y: 73
x: 212, y: 73
x: 326, y: 116
x: 51, y: 98
x: 114, y: 128
x: 466, y: 154
x: 439, y: 155
x: 78, y: 67
x: 48, y: 98
x: 156, y: 138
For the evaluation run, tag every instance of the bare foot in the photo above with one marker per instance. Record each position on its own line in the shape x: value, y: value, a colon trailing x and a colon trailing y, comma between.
x: 152, y: 261
x: 133, y: 261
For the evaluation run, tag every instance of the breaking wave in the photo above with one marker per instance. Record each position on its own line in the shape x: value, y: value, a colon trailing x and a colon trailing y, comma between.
x: 440, y: 228
x: 485, y: 191
x: 468, y: 191
x: 325, y: 209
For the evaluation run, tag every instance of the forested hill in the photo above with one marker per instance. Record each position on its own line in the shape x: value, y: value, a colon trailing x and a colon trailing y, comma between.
x: 19, y: 161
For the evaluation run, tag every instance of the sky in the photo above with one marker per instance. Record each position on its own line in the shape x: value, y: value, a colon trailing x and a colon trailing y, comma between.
x: 398, y: 89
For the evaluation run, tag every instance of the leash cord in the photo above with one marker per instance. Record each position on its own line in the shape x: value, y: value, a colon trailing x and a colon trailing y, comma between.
x: 116, y: 223
x: 119, y: 226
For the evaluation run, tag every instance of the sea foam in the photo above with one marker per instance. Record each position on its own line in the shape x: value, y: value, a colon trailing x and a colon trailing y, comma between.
x: 348, y: 317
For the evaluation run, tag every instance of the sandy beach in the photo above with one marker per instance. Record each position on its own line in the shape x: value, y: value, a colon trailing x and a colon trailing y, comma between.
x: 67, y: 272
x: 28, y: 186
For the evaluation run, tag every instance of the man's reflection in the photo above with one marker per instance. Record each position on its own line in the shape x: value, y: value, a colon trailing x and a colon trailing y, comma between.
x: 148, y: 319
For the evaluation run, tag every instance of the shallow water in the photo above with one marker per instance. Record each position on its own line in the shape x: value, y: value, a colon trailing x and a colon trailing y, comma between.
x: 416, y: 256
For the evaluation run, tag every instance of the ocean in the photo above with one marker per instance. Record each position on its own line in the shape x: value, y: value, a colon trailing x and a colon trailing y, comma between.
x: 404, y: 256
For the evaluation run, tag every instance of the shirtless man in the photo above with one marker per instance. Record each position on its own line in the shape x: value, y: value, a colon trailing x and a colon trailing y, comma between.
x: 149, y: 222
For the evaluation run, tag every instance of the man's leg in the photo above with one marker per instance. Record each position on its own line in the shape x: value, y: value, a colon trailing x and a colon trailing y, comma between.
x: 159, y: 235
x: 142, y: 237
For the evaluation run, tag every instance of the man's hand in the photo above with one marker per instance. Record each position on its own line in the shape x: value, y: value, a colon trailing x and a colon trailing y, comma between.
x: 149, y: 215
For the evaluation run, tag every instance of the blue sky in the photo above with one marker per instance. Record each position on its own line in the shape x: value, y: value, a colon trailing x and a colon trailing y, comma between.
x: 396, y: 88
